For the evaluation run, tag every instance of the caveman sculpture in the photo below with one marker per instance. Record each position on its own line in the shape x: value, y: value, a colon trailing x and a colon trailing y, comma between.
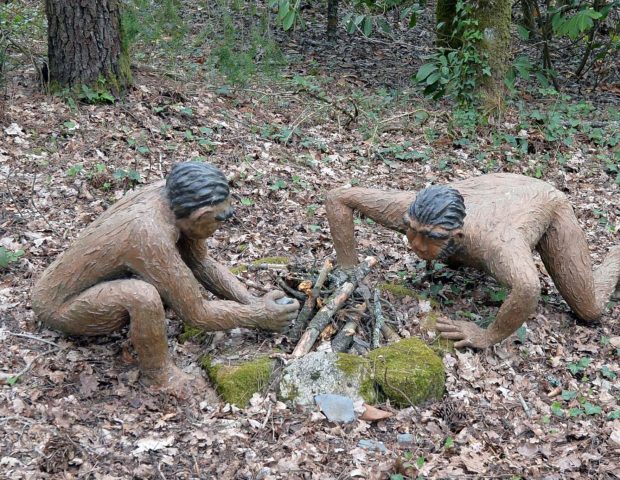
x: 148, y: 251
x: 491, y: 222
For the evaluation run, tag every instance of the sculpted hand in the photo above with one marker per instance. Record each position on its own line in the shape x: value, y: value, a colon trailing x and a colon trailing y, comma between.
x: 465, y: 334
x: 275, y: 317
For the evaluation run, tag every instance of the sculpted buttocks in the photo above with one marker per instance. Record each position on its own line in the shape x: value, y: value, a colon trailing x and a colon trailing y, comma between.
x: 148, y: 251
x: 491, y: 222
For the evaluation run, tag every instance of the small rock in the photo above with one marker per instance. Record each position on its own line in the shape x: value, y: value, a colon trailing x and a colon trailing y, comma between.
x: 615, y: 437
x: 405, y: 438
x: 373, y: 445
x: 337, y: 408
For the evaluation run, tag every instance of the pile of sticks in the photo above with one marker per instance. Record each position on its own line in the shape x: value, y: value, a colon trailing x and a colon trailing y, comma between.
x: 309, y: 326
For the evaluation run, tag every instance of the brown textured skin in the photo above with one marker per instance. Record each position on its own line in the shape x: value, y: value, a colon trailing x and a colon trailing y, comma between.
x: 508, y: 216
x: 133, y: 260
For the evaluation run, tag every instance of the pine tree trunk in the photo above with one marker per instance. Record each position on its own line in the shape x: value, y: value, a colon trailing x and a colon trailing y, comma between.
x: 85, y: 44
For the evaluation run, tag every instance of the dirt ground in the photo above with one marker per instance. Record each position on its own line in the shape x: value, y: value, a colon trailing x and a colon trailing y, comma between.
x: 543, y: 404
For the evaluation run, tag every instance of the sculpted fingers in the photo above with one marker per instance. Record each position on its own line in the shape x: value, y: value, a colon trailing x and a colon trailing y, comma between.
x: 453, y: 335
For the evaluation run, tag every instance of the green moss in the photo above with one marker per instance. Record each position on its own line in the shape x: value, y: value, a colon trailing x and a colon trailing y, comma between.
x: 238, y: 269
x: 192, y: 333
x: 237, y: 383
x: 408, y: 372
x: 398, y: 290
x: 354, y: 366
x: 439, y: 345
x: 271, y: 260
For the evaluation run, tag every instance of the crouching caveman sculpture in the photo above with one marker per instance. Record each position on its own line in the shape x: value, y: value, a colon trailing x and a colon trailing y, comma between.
x: 492, y: 222
x: 148, y: 251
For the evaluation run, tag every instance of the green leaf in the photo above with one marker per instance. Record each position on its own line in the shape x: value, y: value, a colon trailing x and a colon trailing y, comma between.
x: 591, y: 409
x: 449, y: 443
x: 523, y: 32
x: 288, y: 21
x: 568, y: 395
x: 575, y: 412
x: 425, y: 70
x: 248, y: 202
x: 367, y: 26
x: 432, y: 78
x: 556, y: 409
x: 615, y: 415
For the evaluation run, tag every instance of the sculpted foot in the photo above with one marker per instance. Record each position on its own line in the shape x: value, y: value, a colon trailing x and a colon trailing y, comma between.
x: 465, y: 334
x: 173, y: 380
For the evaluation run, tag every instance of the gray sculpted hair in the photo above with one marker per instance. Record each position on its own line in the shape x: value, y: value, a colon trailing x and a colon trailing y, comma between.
x: 193, y: 185
x: 438, y: 206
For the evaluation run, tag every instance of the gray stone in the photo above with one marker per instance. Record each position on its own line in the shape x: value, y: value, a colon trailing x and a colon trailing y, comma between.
x: 374, y: 445
x: 317, y: 373
x: 337, y: 408
x: 404, y: 438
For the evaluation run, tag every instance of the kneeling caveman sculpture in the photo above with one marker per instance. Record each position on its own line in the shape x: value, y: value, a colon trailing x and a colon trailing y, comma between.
x: 148, y: 251
x: 491, y: 222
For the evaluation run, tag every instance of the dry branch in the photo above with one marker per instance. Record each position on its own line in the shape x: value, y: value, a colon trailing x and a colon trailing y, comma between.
x: 322, y: 318
x: 335, y: 302
x: 309, y: 305
x: 379, y: 321
x: 344, y: 338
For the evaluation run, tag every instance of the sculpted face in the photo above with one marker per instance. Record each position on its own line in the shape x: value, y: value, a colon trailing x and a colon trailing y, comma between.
x: 203, y: 222
x: 430, y: 242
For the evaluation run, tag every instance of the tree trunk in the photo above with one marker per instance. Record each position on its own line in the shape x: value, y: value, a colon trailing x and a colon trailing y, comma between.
x: 332, y: 19
x: 85, y: 44
x: 494, y: 17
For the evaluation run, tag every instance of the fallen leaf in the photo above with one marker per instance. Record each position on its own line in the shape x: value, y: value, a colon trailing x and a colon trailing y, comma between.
x: 373, y: 414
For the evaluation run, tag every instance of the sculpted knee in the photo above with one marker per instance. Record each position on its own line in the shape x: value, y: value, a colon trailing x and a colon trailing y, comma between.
x: 333, y: 197
x: 143, y: 295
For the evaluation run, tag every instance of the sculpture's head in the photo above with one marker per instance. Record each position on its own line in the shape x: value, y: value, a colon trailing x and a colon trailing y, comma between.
x: 199, y: 197
x: 434, y: 222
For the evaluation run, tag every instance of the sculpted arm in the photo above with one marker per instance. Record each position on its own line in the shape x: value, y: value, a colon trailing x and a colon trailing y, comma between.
x: 387, y: 208
x: 215, y: 277
x: 164, y: 268
x: 512, y: 265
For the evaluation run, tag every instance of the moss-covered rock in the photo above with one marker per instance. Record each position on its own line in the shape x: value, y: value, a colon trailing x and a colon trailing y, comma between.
x: 237, y: 383
x: 357, y: 369
x: 408, y: 372
x: 327, y: 372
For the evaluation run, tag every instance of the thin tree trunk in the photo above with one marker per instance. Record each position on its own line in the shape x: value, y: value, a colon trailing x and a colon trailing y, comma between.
x: 332, y: 19
x: 85, y: 44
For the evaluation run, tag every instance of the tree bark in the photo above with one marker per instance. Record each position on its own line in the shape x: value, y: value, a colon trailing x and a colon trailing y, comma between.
x: 332, y: 19
x: 494, y: 18
x: 85, y: 44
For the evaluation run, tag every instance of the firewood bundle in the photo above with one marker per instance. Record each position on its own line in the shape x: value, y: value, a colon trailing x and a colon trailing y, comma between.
x: 316, y: 317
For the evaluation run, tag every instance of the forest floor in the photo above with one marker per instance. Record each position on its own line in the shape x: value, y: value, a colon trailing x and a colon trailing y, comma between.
x: 542, y: 404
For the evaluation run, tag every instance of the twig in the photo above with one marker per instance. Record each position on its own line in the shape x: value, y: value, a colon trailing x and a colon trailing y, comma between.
x: 335, y: 302
x: 291, y: 291
x: 6, y: 378
x: 32, y: 337
x: 525, y: 407
x: 322, y: 318
x: 344, y: 338
x: 268, y: 266
x: 379, y: 320
x: 308, y: 308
